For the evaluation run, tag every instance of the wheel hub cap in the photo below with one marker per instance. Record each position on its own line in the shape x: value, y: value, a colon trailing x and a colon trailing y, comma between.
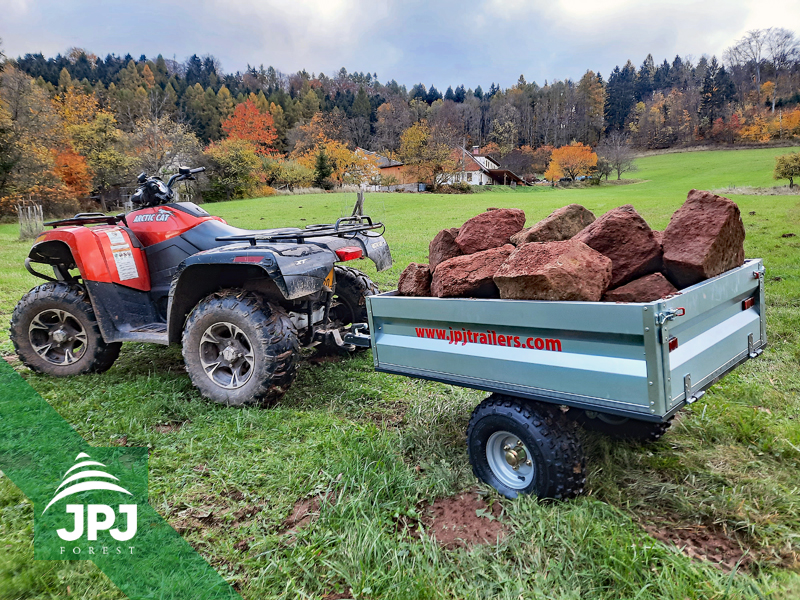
x: 516, y: 456
x: 508, y: 458
x: 226, y: 355
x: 57, y: 336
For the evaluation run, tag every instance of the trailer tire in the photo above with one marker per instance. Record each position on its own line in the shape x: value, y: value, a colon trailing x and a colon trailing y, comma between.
x: 56, y: 310
x: 505, y: 431
x: 622, y: 428
x: 253, y: 343
x: 349, y: 303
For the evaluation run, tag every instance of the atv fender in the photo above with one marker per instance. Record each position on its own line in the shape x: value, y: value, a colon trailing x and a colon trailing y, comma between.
x: 290, y: 271
x: 93, y: 251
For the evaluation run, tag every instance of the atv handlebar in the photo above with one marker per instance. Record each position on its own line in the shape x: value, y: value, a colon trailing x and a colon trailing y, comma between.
x: 183, y: 173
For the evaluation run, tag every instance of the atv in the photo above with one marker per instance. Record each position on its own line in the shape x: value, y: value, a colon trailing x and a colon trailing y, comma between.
x: 241, y: 302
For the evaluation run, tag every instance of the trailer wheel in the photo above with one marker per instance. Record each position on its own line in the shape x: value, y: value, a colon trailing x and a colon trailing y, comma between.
x: 518, y: 447
x: 622, y: 428
x: 54, y: 330
x: 349, y: 303
x: 239, y: 350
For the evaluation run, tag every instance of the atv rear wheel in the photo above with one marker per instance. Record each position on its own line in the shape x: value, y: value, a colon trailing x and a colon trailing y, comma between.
x: 349, y: 303
x: 240, y: 350
x: 54, y: 330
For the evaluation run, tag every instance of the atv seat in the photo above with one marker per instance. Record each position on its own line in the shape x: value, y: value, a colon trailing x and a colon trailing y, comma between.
x: 204, y: 236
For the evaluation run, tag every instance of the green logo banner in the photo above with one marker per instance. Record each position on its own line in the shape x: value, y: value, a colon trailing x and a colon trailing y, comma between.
x: 91, y: 503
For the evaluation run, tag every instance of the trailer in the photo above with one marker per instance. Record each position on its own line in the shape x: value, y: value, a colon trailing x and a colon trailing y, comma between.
x: 621, y: 368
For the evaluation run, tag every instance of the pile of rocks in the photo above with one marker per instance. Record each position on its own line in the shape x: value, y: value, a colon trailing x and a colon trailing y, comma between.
x: 570, y: 255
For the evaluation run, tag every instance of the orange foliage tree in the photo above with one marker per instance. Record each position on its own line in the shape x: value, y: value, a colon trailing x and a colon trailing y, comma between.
x: 574, y: 160
x: 74, y: 171
x: 249, y: 123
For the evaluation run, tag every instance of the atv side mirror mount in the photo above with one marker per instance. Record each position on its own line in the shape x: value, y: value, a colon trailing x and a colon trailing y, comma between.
x: 142, y: 177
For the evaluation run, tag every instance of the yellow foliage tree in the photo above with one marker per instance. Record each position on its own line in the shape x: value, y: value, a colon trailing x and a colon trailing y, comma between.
x: 553, y: 172
x: 574, y: 160
x: 348, y: 166
x: 429, y: 160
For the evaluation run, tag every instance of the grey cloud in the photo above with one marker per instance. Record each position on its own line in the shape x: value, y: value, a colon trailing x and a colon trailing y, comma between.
x: 445, y: 43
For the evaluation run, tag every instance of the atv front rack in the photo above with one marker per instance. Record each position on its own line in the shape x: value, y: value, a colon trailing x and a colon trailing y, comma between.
x: 344, y: 227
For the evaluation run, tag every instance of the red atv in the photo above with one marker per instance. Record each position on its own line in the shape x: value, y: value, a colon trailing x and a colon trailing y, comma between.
x: 241, y: 302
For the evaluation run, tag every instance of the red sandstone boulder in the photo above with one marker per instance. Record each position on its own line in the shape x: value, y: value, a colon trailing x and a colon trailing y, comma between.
x: 491, y: 229
x: 443, y: 247
x: 623, y: 236
x: 415, y: 280
x: 562, y: 224
x: 704, y: 238
x: 645, y: 289
x: 470, y: 275
x: 566, y: 270
x: 659, y: 235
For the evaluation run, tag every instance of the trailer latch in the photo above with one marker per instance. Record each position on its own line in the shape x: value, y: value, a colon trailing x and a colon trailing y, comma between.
x: 752, y: 352
x: 687, y: 389
x: 670, y: 314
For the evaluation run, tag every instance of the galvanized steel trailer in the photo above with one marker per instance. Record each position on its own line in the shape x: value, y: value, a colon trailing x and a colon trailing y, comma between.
x: 620, y: 367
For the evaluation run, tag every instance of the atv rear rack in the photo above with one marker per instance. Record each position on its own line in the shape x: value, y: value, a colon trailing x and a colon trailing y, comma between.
x: 87, y: 219
x: 346, y: 226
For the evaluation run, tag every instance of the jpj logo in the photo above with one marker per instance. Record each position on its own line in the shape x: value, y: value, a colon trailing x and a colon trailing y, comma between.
x: 91, y: 512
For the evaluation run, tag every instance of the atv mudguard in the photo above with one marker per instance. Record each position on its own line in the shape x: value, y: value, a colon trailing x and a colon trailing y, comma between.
x: 296, y: 270
x: 104, y: 253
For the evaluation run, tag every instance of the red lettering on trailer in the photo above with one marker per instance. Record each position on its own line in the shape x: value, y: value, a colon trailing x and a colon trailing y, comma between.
x: 489, y: 338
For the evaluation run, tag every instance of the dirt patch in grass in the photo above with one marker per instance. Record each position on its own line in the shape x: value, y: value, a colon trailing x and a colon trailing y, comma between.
x: 209, y: 511
x: 304, y: 512
x: 321, y: 357
x: 338, y: 596
x: 391, y: 417
x: 700, y: 542
x: 463, y: 521
x: 170, y: 427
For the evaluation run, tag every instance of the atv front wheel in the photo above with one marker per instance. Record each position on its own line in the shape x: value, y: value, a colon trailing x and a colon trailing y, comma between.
x: 349, y: 303
x: 518, y: 447
x: 239, y: 350
x: 54, y: 330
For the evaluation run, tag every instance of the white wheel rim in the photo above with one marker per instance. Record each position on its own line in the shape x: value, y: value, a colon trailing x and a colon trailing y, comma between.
x: 226, y: 355
x: 498, y: 447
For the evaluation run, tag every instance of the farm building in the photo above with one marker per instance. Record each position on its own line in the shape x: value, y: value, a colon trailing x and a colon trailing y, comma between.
x: 481, y: 169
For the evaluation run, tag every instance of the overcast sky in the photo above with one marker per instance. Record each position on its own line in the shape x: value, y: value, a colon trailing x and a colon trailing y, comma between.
x: 449, y: 42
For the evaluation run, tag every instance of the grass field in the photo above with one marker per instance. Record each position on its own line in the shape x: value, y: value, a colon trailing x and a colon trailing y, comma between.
x: 728, y: 470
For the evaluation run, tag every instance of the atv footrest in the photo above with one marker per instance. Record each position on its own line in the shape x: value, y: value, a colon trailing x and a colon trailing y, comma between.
x: 151, y: 328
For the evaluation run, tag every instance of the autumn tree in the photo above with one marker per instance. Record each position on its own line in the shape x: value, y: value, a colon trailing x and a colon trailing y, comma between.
x: 248, y: 123
x: 616, y: 151
x: 787, y: 166
x: 105, y: 147
x: 74, y: 171
x: 160, y: 144
x: 393, y: 118
x: 574, y: 160
x: 429, y: 160
x: 234, y: 168
x: 553, y: 172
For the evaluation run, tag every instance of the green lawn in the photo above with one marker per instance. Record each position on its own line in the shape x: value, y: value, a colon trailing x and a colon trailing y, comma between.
x: 383, y: 444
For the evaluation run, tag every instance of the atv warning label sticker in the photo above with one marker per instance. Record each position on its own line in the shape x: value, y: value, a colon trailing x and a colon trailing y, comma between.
x: 123, y: 256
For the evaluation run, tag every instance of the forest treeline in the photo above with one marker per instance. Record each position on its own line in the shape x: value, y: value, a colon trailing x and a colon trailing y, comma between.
x: 121, y: 113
